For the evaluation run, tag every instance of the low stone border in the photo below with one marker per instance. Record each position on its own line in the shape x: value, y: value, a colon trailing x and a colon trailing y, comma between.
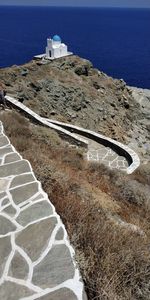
x: 72, y: 138
x: 62, y: 129
x: 119, y: 148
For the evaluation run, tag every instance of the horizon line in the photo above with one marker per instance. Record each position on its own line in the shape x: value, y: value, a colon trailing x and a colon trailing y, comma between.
x: 76, y: 6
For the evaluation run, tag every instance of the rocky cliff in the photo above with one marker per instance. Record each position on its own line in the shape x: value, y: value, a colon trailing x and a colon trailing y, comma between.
x: 70, y: 89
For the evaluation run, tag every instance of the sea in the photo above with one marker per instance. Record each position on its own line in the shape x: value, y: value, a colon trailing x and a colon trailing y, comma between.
x: 115, y: 40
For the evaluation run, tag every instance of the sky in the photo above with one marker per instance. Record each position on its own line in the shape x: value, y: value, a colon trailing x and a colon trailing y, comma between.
x: 100, y: 3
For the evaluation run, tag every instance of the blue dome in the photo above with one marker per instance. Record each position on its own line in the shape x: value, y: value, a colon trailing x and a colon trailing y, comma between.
x: 56, y: 38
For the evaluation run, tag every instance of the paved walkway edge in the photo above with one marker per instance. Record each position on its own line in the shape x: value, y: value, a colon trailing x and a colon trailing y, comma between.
x: 29, y: 269
x: 66, y: 134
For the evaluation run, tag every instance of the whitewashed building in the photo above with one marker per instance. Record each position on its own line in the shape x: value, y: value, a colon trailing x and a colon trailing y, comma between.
x: 54, y: 49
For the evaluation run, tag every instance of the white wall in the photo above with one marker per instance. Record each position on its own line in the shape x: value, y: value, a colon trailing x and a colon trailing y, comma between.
x: 57, y: 49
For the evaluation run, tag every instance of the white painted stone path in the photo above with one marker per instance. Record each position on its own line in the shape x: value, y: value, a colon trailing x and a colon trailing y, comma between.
x: 36, y: 258
x: 108, y: 157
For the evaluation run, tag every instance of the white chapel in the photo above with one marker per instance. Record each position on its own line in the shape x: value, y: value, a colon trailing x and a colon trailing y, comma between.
x: 54, y: 49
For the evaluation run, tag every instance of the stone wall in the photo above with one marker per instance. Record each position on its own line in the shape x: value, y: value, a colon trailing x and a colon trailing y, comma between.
x: 72, y: 138
x: 119, y: 148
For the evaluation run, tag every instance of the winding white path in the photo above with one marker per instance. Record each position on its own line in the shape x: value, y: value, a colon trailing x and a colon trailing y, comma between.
x: 115, y: 154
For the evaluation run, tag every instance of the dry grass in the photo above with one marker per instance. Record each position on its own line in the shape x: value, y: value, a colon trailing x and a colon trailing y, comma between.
x: 98, y: 207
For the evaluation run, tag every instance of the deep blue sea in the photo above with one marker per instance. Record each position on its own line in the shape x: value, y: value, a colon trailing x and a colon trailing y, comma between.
x: 117, y: 41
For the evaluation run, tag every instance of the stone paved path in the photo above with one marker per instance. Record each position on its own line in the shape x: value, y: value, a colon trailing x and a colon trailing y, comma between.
x: 36, y: 258
x: 102, y: 154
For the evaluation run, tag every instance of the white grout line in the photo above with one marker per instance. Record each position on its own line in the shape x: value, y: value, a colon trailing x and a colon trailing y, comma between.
x: 22, y: 282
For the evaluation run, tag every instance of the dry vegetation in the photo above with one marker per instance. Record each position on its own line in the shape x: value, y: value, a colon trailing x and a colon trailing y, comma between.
x: 105, y: 212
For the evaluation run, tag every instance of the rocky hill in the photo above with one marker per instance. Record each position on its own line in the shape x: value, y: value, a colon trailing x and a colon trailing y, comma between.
x: 106, y: 212
x: 70, y: 89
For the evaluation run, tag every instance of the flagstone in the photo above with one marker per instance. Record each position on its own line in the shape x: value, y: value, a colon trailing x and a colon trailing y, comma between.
x: 15, y: 168
x: 12, y: 158
x: 34, y: 212
x: 22, y: 179
x: 18, y: 267
x: 55, y: 268
x: 34, y: 238
x: 23, y: 193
